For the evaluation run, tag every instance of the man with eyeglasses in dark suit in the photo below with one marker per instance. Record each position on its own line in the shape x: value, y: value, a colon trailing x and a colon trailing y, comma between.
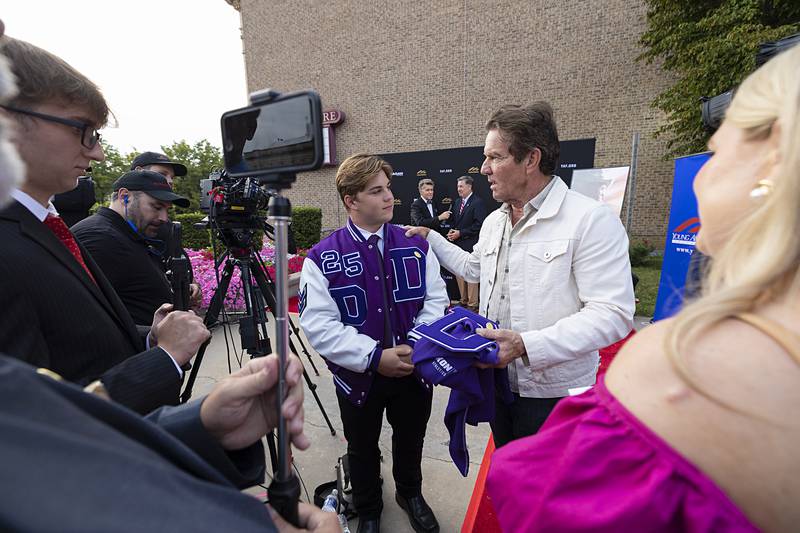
x: 59, y: 310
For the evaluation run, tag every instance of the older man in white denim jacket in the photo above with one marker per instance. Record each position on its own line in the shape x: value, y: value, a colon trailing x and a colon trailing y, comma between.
x: 553, y: 267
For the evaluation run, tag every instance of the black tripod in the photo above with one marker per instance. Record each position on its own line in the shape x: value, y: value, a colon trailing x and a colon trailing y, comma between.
x: 252, y: 326
x: 269, y: 294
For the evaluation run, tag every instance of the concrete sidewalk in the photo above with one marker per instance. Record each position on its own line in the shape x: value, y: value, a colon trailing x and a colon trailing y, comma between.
x: 447, y: 492
x: 444, y: 488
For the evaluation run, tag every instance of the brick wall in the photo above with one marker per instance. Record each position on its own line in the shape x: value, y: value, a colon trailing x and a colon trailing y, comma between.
x: 413, y: 75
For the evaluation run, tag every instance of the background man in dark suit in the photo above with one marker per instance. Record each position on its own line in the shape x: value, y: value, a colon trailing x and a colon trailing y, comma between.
x: 423, y: 209
x: 425, y: 213
x: 469, y: 212
x: 59, y: 310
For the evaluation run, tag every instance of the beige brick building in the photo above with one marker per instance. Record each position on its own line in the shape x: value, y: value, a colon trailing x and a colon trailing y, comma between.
x: 413, y: 75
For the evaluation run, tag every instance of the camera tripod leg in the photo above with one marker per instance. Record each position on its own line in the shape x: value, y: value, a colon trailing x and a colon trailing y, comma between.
x: 271, y: 303
x: 260, y: 275
x: 212, y: 315
x: 253, y: 326
x: 302, y: 345
x: 313, y: 388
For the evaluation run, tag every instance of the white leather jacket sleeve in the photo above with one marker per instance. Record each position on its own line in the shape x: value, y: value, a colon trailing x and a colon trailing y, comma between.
x: 436, y: 299
x: 460, y: 262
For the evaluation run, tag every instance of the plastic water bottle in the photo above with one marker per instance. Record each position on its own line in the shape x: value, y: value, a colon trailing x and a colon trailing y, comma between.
x: 331, y: 502
x: 343, y: 523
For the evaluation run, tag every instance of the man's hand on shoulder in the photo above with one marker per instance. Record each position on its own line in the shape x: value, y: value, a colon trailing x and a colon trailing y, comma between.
x: 417, y: 230
x: 243, y: 407
x: 396, y: 362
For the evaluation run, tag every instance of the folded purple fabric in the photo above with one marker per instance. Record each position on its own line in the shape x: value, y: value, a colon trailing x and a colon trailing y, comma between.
x: 444, y: 354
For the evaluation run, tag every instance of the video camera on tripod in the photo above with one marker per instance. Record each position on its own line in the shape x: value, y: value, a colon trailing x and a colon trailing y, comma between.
x: 236, y: 208
x: 264, y: 146
x: 235, y: 199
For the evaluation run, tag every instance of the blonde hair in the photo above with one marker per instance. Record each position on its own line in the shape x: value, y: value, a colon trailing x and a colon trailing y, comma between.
x: 760, y: 261
x: 355, y: 172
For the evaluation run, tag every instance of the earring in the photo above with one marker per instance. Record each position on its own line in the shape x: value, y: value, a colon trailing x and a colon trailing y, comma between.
x: 762, y: 189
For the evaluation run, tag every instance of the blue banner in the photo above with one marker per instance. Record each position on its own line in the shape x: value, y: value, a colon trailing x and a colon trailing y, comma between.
x: 681, y: 234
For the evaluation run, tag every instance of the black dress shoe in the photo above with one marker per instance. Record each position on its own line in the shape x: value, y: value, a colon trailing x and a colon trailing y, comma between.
x: 369, y: 525
x: 419, y: 513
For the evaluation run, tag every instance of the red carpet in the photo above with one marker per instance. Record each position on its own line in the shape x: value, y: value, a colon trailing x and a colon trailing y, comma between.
x: 480, y: 517
x: 608, y: 353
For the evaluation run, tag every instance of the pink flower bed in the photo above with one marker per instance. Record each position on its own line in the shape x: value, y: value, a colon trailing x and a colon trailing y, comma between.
x: 203, y: 268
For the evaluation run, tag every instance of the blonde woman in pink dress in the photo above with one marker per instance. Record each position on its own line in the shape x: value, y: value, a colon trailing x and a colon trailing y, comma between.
x: 695, y: 426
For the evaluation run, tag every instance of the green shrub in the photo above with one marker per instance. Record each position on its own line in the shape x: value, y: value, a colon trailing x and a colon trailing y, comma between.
x: 639, y: 252
x: 306, y: 225
x: 198, y: 239
x: 194, y: 238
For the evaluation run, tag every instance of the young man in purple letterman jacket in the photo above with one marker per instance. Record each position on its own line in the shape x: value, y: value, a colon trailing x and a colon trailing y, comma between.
x: 362, y: 289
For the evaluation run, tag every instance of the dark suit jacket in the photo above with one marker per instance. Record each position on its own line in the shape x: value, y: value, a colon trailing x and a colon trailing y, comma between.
x: 100, y: 467
x: 73, y: 206
x: 129, y: 264
x: 420, y: 216
x: 469, y: 222
x: 55, y: 316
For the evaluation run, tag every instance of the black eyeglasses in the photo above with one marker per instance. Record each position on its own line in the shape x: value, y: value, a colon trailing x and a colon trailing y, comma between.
x: 89, y: 136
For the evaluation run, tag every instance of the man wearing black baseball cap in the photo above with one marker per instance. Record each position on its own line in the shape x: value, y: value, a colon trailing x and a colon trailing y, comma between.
x: 153, y: 183
x: 159, y: 163
x: 121, y: 239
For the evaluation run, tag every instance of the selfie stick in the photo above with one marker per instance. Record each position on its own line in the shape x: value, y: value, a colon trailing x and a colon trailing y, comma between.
x: 284, y: 491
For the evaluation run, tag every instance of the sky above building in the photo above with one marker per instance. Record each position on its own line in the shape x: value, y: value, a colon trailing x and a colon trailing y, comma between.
x: 168, y: 68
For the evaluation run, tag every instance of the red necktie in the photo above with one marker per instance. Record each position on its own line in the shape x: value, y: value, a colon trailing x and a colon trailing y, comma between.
x: 60, y: 229
x: 461, y: 209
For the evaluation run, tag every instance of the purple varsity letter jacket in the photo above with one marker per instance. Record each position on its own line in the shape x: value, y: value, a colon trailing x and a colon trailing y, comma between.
x: 341, y: 299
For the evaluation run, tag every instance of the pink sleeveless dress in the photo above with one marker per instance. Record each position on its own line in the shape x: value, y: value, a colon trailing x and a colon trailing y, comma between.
x: 595, y: 467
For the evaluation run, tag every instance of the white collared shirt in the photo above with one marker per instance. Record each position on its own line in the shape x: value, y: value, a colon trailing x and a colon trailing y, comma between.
x: 367, y: 234
x: 36, y: 209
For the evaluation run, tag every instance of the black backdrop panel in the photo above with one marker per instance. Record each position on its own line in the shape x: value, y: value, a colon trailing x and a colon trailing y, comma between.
x: 444, y: 167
